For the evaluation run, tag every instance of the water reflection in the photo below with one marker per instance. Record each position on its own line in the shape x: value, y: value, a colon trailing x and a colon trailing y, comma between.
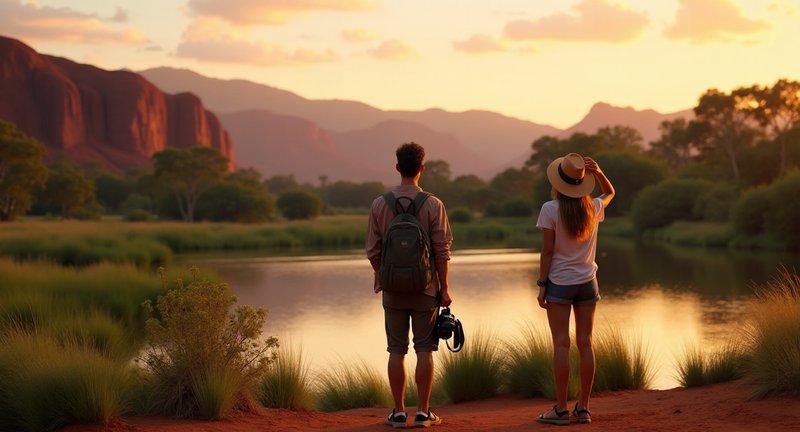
x: 667, y: 296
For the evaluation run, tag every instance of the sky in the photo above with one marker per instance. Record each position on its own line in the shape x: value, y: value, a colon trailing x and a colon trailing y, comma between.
x: 545, y: 61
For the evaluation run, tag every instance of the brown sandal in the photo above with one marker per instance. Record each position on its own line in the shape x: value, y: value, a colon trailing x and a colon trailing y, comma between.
x: 577, y: 413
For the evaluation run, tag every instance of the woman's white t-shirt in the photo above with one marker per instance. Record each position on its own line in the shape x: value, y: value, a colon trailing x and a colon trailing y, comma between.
x: 573, y: 261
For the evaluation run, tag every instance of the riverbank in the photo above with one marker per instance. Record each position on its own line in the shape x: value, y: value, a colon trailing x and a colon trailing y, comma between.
x: 717, y: 407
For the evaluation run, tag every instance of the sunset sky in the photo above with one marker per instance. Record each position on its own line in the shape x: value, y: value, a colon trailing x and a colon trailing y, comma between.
x: 544, y: 61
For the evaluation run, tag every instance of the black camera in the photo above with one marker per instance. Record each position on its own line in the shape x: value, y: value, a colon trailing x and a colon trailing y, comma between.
x: 445, y: 324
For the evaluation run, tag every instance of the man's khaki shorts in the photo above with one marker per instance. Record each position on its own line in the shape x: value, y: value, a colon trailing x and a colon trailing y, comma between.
x: 421, y: 310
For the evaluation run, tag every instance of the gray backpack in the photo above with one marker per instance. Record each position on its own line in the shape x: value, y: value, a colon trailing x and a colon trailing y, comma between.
x: 406, y: 254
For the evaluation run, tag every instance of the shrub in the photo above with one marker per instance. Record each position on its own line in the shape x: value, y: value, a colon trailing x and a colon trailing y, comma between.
x: 205, y: 359
x: 286, y: 384
x: 671, y: 200
x: 349, y: 386
x: 630, y: 172
x: 512, y: 207
x: 474, y: 373
x: 784, y: 210
x: 622, y: 362
x: 773, y: 338
x: 460, y: 215
x: 749, y: 212
x: 715, y: 204
x: 299, y: 204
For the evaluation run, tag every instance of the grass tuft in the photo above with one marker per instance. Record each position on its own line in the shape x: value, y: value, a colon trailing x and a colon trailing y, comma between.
x: 622, y: 362
x: 352, y: 386
x: 474, y: 373
x: 287, y: 383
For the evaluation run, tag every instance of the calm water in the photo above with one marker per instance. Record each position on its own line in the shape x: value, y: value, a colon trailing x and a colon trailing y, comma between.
x: 668, y: 296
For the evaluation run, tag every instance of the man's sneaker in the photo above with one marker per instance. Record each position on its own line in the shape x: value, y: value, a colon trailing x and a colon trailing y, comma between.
x: 397, y: 419
x: 426, y: 420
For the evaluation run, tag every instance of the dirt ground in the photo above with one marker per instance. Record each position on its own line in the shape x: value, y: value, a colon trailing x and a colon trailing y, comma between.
x: 718, y: 407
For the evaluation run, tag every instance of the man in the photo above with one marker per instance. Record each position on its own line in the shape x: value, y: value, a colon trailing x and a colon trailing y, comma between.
x: 418, y: 307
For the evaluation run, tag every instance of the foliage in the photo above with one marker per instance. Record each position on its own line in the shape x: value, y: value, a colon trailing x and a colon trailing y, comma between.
x: 749, y: 212
x: 512, y: 207
x: 299, y: 204
x: 629, y: 172
x: 529, y: 365
x: 344, y: 194
x: 352, y: 386
x: 205, y: 358
x: 474, y: 373
x: 240, y: 197
x: 460, y: 215
x: 714, y: 203
x: 112, y: 191
x: 279, y: 184
x: 784, y: 210
x: 674, y: 147
x: 622, y: 362
x: 773, y: 338
x: 436, y: 177
x: 21, y: 170
x: 287, y: 384
x: 671, y: 200
x: 189, y: 173
x: 67, y: 189
x: 513, y: 183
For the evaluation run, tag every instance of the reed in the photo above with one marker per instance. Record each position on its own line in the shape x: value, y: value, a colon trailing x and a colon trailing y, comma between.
x: 287, y: 383
x: 352, y: 386
x: 623, y: 362
x: 474, y: 373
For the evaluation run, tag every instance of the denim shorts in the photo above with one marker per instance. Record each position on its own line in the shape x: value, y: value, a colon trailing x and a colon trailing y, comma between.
x: 585, y: 293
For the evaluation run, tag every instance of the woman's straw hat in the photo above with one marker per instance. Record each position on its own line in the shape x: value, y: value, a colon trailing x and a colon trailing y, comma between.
x: 568, y: 176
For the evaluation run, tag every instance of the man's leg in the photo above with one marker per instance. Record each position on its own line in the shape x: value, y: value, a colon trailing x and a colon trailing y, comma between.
x: 397, y: 380
x: 424, y: 378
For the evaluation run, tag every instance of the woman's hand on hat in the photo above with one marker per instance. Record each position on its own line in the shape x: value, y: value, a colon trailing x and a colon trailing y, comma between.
x: 591, y: 165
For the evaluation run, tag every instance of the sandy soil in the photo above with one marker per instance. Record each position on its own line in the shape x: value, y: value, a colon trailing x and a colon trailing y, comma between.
x: 723, y: 407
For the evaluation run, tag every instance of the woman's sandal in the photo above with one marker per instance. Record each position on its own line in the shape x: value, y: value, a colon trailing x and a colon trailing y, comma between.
x: 561, y: 418
x: 577, y: 413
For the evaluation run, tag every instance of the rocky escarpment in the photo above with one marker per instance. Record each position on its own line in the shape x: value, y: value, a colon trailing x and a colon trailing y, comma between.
x: 115, y: 117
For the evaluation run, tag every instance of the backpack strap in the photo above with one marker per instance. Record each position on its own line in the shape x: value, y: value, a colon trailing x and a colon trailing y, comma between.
x: 391, y: 201
x: 394, y: 202
x: 419, y: 200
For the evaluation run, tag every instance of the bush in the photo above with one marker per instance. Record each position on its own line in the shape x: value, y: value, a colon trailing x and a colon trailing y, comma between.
x: 749, y: 213
x: 205, y: 359
x: 286, y: 384
x: 671, y: 200
x: 784, y: 210
x: 460, y: 215
x: 630, y: 173
x: 773, y: 339
x: 299, y: 204
x: 474, y: 373
x: 348, y: 386
x: 715, y: 204
x: 512, y: 207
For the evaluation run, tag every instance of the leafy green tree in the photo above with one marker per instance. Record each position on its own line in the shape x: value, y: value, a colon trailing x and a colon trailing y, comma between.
x: 468, y: 191
x: 240, y: 197
x: 112, y: 190
x: 619, y: 138
x: 669, y: 201
x: 675, y: 146
x: 513, y: 182
x: 279, y: 184
x: 345, y: 194
x: 299, y: 204
x: 67, y: 189
x: 547, y: 148
x: 630, y: 172
x: 777, y: 108
x: 189, y: 173
x: 436, y: 177
x: 22, y: 170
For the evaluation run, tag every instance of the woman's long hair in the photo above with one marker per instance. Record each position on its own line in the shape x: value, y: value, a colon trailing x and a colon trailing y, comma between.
x: 577, y: 214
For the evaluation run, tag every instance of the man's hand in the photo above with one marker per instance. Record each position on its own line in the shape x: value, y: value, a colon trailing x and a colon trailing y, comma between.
x: 540, y: 298
x: 445, y: 300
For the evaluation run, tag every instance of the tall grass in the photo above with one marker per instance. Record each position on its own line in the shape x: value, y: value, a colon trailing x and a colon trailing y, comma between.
x: 692, y: 367
x: 352, y: 386
x: 773, y: 339
x: 287, y: 383
x: 529, y: 364
x: 474, y: 373
x: 697, y: 368
x: 623, y: 362
x: 47, y: 383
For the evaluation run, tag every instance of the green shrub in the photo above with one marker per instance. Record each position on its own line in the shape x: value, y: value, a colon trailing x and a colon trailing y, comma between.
x: 511, y: 207
x: 460, y: 215
x: 784, y: 210
x: 203, y: 356
x: 669, y: 201
x: 47, y: 384
x: 474, y: 373
x: 630, y: 173
x: 299, y: 204
x: 287, y: 384
x: 714, y: 204
x: 352, y: 386
x: 749, y: 212
x: 137, y: 215
x: 773, y: 339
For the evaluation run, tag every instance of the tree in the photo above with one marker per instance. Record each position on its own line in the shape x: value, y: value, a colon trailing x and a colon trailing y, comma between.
x: 777, y: 108
x: 630, y: 172
x: 548, y: 148
x: 67, y: 188
x: 279, y: 184
x: 112, y: 190
x: 513, y: 182
x: 299, y: 204
x: 240, y: 197
x: 436, y: 176
x: 619, y: 138
x: 675, y: 147
x: 189, y: 173
x: 21, y: 170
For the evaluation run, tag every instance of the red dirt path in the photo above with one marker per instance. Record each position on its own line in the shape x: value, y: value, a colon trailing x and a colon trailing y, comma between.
x: 723, y: 407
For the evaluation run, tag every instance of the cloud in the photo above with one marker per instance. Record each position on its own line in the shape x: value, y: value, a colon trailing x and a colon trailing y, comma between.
x: 120, y: 16
x: 211, y: 40
x: 591, y: 20
x: 393, y: 49
x: 480, y: 43
x: 260, y: 12
x: 358, y: 35
x: 707, y: 20
x: 29, y: 20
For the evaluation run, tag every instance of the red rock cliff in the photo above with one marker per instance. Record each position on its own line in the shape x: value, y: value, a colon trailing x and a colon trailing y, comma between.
x: 114, y: 117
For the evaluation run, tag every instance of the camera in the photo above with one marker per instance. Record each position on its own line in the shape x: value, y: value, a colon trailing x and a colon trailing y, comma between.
x: 445, y: 324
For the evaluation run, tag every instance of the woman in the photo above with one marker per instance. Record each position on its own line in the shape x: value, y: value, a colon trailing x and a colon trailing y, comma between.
x: 567, y: 273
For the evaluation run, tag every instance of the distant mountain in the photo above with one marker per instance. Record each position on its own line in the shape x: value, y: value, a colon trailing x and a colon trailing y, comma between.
x: 278, y: 144
x: 115, y: 117
x: 495, y: 137
x: 647, y: 122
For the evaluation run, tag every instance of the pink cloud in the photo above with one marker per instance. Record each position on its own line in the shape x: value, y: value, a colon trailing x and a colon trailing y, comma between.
x: 260, y: 12
x: 590, y: 20
x: 358, y: 35
x: 29, y: 20
x: 707, y: 20
x: 393, y: 49
x: 479, y: 43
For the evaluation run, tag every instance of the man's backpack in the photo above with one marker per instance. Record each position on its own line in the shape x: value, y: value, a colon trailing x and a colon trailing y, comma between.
x: 406, y: 255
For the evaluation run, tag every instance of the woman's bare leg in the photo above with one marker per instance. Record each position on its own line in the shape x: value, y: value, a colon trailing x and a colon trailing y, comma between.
x: 584, y: 324
x: 558, y: 317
